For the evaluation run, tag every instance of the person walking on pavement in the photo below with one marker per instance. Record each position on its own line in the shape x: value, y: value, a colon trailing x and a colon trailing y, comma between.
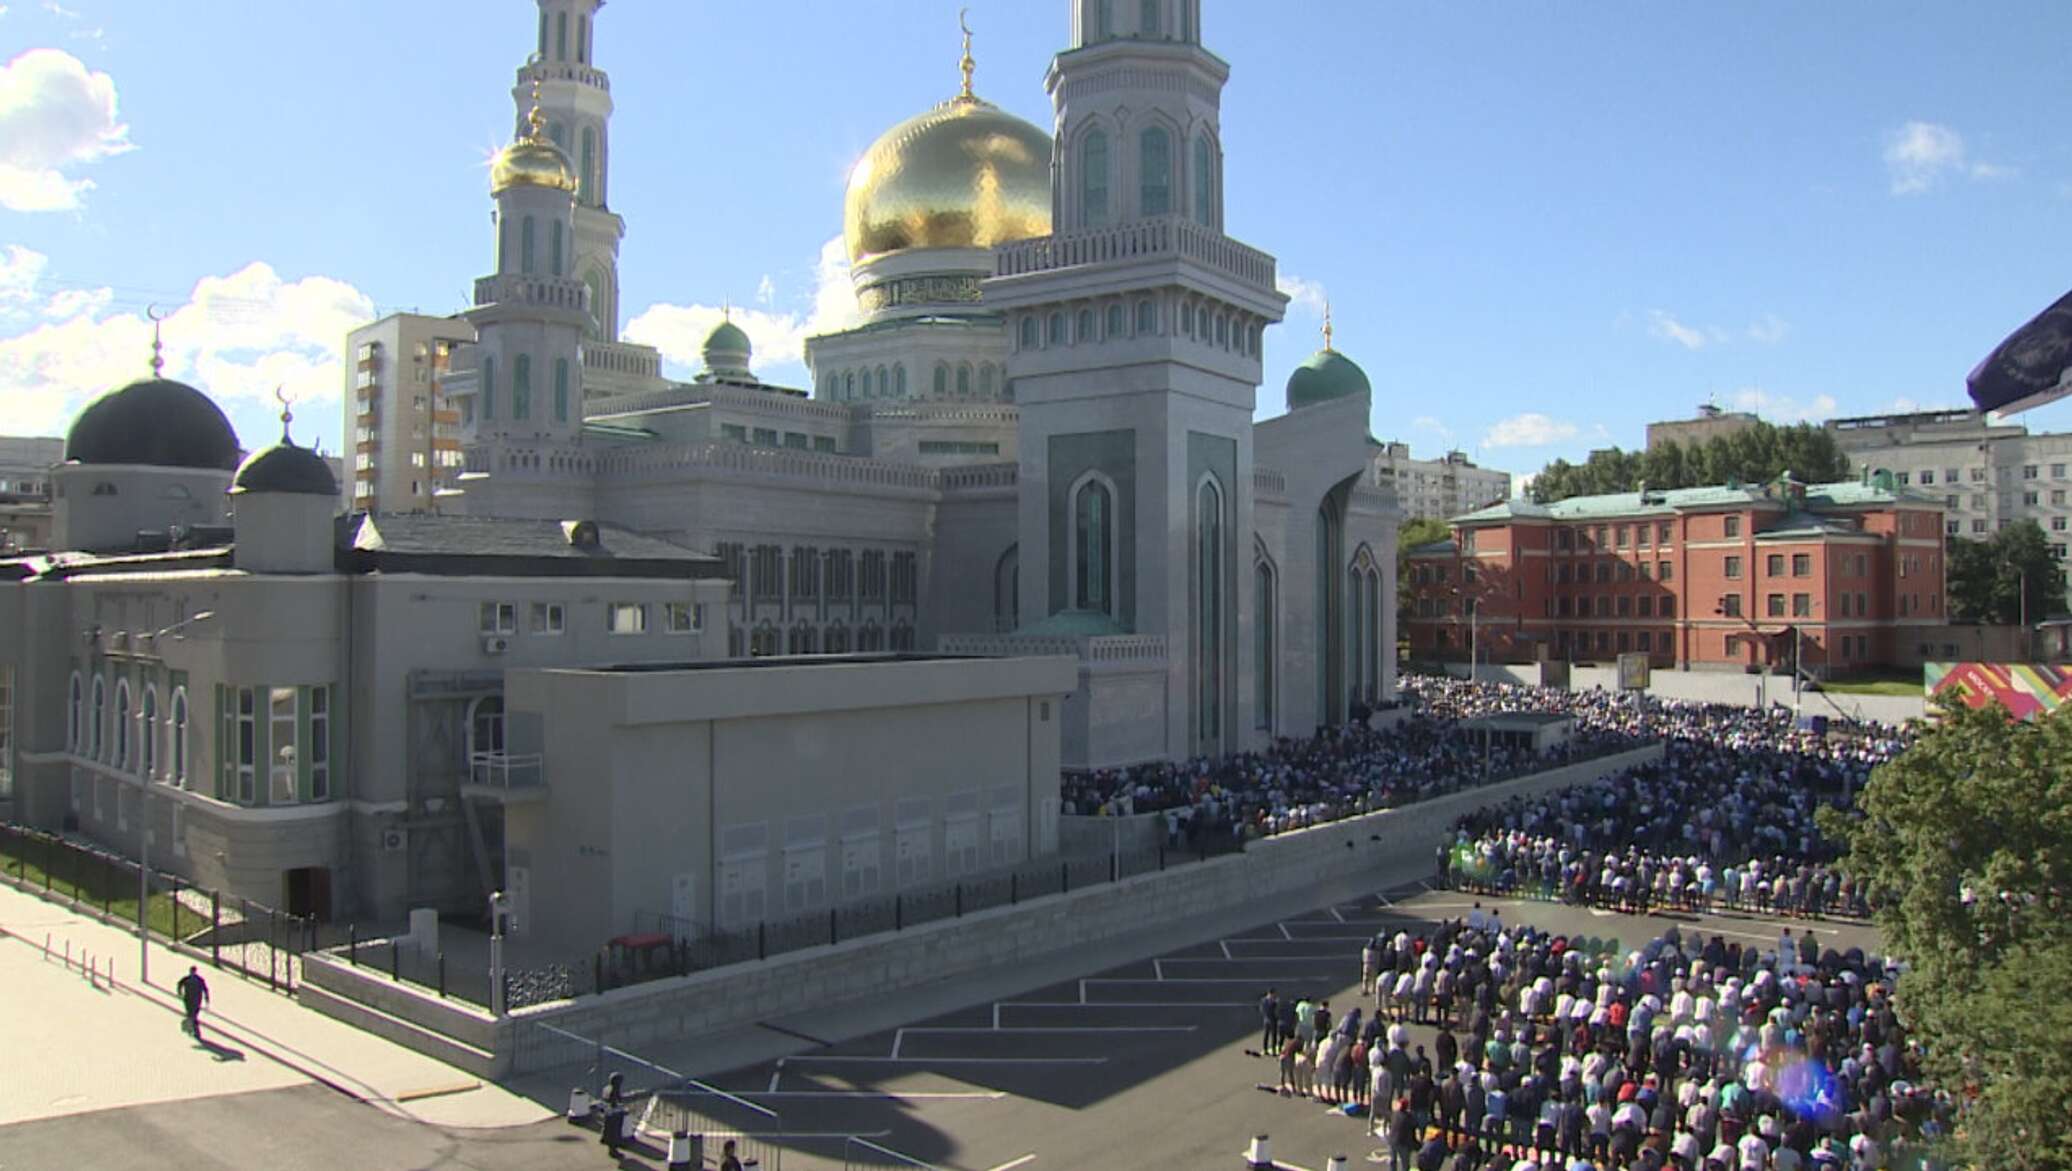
x: 1270, y: 1023
x: 193, y: 992
x: 729, y: 1161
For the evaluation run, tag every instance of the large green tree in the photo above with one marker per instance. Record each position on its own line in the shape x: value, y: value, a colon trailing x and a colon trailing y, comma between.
x: 1754, y: 455
x: 2008, y: 577
x: 1966, y: 842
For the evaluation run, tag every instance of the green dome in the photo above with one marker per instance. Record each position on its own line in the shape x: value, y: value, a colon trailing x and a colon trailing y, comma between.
x: 1326, y: 375
x: 726, y: 336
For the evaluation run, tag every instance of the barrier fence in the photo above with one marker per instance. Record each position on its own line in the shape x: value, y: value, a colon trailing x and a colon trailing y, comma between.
x: 260, y: 943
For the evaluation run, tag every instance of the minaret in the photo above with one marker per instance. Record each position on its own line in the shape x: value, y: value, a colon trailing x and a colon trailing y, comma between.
x: 1136, y: 331
x: 576, y: 99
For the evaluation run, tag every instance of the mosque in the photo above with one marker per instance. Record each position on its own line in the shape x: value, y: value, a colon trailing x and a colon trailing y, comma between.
x: 1039, y: 436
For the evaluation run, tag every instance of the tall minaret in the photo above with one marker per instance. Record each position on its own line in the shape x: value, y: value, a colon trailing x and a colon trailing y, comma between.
x: 1135, y: 332
x: 576, y: 98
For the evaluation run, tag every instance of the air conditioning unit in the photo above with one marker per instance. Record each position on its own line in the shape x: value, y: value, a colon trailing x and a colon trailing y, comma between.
x: 495, y: 644
x: 392, y: 841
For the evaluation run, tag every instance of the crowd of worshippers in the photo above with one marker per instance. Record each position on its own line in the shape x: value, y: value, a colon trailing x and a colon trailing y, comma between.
x: 1558, y: 1054
x: 1707, y: 826
x: 1342, y: 771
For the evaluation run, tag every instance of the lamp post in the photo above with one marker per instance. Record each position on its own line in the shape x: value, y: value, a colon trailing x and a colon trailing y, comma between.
x: 144, y: 830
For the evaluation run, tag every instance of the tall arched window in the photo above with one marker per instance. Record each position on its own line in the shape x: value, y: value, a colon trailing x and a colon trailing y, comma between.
x: 884, y: 383
x: 488, y: 386
x: 1208, y: 551
x: 1155, y: 153
x: 1007, y: 590
x: 147, y: 734
x: 1147, y: 318
x: 75, y: 716
x: 1147, y: 18
x: 1222, y: 331
x: 599, y: 310
x: 985, y: 380
x: 561, y: 390
x: 525, y: 234
x: 1115, y: 321
x: 1263, y: 631
x: 505, y: 256
x: 123, y: 732
x: 554, y: 249
x: 942, y: 380
x: 1054, y: 330
x: 485, y: 726
x: 521, y: 387
x: 1093, y: 542
x: 1104, y: 22
x: 1372, y: 604
x: 178, y: 755
x: 1204, y: 186
x: 849, y: 385
x: 561, y: 36
x: 964, y: 380
x: 899, y: 381
x: 1093, y: 180
x: 543, y: 34
x: 582, y: 39
x: 98, y: 713
x: 588, y: 177
x: 1356, y: 632
x: 1187, y: 20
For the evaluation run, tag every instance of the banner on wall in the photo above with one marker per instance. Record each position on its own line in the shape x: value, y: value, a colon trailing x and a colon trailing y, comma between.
x: 2025, y: 689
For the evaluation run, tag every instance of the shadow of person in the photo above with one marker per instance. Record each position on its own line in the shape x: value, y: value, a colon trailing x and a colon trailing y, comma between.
x: 222, y: 1052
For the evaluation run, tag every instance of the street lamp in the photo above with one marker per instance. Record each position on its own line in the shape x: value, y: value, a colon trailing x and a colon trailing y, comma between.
x: 144, y: 831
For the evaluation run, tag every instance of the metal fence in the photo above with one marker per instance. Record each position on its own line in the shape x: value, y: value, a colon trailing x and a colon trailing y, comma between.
x: 258, y: 942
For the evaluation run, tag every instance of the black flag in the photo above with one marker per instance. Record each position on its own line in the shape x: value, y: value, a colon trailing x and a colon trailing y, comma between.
x: 2031, y: 368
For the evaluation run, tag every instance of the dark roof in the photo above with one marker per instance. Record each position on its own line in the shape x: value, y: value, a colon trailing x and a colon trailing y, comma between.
x: 285, y: 467
x: 529, y: 548
x: 157, y: 422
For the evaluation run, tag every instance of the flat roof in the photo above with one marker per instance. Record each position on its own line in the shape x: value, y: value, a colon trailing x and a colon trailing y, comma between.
x: 852, y: 657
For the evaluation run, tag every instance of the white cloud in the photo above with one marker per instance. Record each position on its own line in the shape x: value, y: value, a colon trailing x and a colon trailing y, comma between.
x: 237, y: 336
x: 766, y: 290
x: 1531, y: 429
x: 1778, y: 408
x: 1309, y: 295
x: 1663, y: 325
x: 777, y: 337
x: 54, y: 115
x: 20, y: 269
x: 1428, y: 423
x: 1521, y: 483
x: 1768, y: 329
x: 1920, y: 155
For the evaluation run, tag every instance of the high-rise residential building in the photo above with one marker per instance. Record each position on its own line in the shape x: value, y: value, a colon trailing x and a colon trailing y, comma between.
x: 1709, y: 424
x: 1435, y: 489
x: 25, y: 464
x: 402, y: 439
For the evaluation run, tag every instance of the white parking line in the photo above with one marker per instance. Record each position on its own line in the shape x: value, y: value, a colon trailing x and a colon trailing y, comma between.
x: 893, y: 1095
x: 1011, y: 1164
x: 909, y: 1160
x: 1336, y: 914
x: 1225, y: 945
x: 1054, y: 1029
x: 867, y: 1059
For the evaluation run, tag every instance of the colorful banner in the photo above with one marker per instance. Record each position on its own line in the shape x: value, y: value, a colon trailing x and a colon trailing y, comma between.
x: 2026, y: 689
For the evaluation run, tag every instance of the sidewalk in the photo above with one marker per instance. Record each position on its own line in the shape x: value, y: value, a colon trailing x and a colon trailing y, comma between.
x: 99, y: 1048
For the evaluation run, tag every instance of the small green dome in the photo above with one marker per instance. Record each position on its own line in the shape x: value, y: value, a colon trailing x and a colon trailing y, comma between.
x: 1324, y: 376
x: 727, y: 337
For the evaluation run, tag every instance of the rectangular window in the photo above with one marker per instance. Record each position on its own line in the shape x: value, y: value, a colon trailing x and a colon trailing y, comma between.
x: 2057, y: 496
x: 1977, y: 474
x: 1802, y: 565
x: 1620, y: 535
x: 1775, y: 605
x: 1662, y: 571
x: 2028, y: 471
x: 1646, y: 640
x: 1733, y: 567
x: 1774, y: 565
x: 805, y: 572
x: 1669, y: 608
x: 247, y: 746
x: 1802, y: 605
x: 1730, y: 605
x: 2029, y: 498
x: 797, y: 441
x: 905, y: 579
x: 1625, y: 606
x: 320, y: 743
x: 280, y: 711
x: 765, y: 437
x: 548, y: 618
x: 2057, y: 471
x: 873, y: 575
x: 1647, y: 606
x: 768, y: 564
x: 841, y: 575
x: 1647, y: 570
x: 1927, y: 476
x: 1733, y: 526
x: 626, y: 618
x: 824, y: 443
x: 1903, y: 479
x: 733, y: 432
x: 683, y: 617
x: 1662, y: 533
x: 498, y: 618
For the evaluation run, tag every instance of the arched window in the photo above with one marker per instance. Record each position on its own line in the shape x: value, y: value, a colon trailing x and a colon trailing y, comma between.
x: 600, y: 311
x: 837, y: 641
x: 1187, y: 20
x: 1208, y: 552
x: 504, y: 242
x: 561, y: 390
x: 525, y: 246
x: 554, y: 249
x: 1222, y: 331
x: 588, y: 176
x: 899, y: 381
x: 1187, y: 320
x: 521, y: 387
x: 98, y: 713
x: 1155, y: 153
x: 582, y: 39
x: 75, y: 716
x: 1084, y: 327
x: 1263, y: 633
x: 1093, y: 543
x: 884, y: 383
x: 1093, y: 180
x: 1104, y: 23
x: 488, y: 386
x: 1115, y: 324
x: 543, y: 34
x: 561, y: 36
x: 985, y: 380
x: 1201, y: 324
x: 902, y: 635
x: 123, y: 732
x: 1204, y: 184
x: 485, y: 726
x: 1007, y: 590
x: 178, y: 754
x: 942, y: 380
x: 964, y: 380
x: 147, y: 734
x: 1054, y: 329
x: 1357, y: 635
x: 1028, y: 339
x: 1147, y: 318
x: 1147, y: 18
x: 849, y: 385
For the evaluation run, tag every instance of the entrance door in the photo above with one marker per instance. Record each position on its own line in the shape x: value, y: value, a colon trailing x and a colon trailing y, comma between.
x: 308, y: 891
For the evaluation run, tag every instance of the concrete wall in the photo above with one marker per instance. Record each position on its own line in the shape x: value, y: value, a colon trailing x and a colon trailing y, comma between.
x: 1085, y: 836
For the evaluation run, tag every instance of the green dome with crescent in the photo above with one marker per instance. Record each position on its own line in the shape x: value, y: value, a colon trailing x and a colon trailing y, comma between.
x: 1325, y: 376
x: 727, y: 337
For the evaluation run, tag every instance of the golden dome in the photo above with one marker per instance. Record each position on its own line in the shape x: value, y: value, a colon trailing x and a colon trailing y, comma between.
x: 533, y: 160
x: 965, y: 174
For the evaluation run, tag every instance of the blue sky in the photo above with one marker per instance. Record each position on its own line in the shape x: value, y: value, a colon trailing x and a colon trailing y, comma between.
x: 1539, y: 225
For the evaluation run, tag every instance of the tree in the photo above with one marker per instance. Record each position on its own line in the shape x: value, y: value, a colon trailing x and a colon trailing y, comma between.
x: 1754, y: 455
x: 1965, y: 841
x: 2006, y: 578
x: 1409, y: 535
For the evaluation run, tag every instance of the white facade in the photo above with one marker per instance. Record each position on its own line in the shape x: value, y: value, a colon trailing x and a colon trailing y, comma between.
x: 402, y: 436
x: 1438, y: 489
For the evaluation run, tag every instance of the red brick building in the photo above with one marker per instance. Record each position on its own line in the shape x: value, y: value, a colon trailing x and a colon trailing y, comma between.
x: 1703, y: 577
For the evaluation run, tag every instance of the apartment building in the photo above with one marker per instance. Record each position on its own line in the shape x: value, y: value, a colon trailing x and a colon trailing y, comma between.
x: 402, y: 439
